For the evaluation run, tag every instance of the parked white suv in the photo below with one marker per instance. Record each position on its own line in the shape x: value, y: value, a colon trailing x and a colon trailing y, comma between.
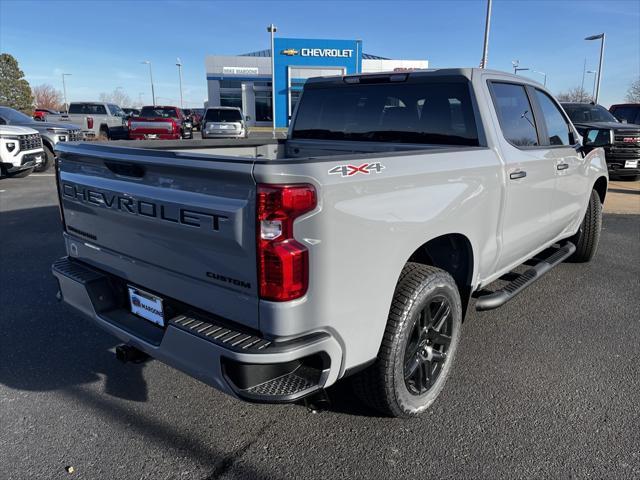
x: 20, y: 150
x: 224, y: 122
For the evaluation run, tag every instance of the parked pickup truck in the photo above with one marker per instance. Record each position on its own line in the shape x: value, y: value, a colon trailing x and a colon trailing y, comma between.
x: 271, y: 269
x: 97, y: 119
x: 160, y: 123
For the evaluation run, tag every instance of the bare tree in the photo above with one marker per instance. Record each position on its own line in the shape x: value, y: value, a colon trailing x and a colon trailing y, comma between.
x: 117, y: 96
x: 575, y: 94
x: 45, y: 96
x: 633, y: 93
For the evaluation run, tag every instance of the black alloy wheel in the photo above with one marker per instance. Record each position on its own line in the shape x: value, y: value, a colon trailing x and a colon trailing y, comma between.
x: 426, y: 350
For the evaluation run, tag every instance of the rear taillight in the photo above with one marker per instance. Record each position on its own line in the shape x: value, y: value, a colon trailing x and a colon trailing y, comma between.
x: 283, y: 262
x: 174, y: 127
x: 89, y: 122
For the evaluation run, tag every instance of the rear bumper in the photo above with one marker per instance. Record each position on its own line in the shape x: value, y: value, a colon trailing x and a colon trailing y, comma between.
x: 238, y: 362
x: 154, y: 136
x: 224, y: 134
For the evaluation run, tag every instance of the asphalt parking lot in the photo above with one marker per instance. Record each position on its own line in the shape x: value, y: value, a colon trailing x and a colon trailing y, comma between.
x: 546, y: 387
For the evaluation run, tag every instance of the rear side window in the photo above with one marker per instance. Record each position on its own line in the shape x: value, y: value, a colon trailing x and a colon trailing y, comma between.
x: 557, y: 126
x: 427, y: 113
x: 515, y: 114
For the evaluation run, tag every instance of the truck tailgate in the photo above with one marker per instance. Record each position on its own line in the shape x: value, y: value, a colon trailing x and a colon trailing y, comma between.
x: 150, y: 125
x: 177, y: 224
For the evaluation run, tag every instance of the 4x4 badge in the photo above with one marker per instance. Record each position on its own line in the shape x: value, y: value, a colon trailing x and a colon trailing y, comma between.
x: 350, y: 170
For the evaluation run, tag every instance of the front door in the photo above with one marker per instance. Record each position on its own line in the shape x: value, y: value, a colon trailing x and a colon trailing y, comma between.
x: 529, y: 175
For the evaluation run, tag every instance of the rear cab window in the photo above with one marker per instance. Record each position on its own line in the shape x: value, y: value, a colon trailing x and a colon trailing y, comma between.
x: 405, y: 112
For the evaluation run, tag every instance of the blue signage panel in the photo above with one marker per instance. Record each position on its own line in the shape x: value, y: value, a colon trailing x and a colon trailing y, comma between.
x: 300, y: 52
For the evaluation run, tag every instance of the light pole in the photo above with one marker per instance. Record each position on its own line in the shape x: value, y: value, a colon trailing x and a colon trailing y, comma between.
x: 593, y: 92
x: 487, y: 27
x: 64, y: 90
x: 544, y: 74
x: 272, y: 30
x: 153, y: 93
x: 179, y: 65
x: 584, y: 71
x: 601, y: 37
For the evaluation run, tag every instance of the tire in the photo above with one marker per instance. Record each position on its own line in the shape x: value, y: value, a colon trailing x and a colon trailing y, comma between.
x: 413, y: 344
x: 49, y: 159
x: 104, y: 134
x: 588, y: 236
x: 22, y: 174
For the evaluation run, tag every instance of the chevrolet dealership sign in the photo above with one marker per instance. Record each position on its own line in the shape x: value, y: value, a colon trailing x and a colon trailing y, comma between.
x: 319, y: 52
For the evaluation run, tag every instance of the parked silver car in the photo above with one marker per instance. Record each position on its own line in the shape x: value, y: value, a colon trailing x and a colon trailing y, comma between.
x: 224, y: 122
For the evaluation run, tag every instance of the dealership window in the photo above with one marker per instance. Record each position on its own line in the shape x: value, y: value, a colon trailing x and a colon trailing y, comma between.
x: 262, y: 84
x: 230, y: 83
x: 231, y: 99
x: 263, y: 106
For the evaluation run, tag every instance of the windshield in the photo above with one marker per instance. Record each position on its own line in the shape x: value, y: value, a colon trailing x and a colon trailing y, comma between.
x: 588, y: 113
x: 425, y: 112
x: 13, y: 116
x: 158, y: 112
x: 223, y: 115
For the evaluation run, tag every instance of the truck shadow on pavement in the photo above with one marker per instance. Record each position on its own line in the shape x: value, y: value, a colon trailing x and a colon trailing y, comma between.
x: 46, y: 347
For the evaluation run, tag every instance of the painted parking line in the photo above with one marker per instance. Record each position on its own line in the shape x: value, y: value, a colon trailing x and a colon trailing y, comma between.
x: 42, y: 175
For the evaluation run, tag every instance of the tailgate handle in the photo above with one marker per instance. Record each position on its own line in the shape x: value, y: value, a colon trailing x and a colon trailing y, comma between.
x: 126, y: 169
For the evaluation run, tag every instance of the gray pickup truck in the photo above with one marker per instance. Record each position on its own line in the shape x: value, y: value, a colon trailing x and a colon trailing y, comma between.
x: 270, y: 270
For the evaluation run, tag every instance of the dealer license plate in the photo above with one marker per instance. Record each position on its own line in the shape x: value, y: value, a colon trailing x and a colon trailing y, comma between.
x: 631, y: 164
x: 146, y: 305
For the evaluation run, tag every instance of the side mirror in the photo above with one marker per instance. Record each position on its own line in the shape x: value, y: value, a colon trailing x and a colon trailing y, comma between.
x: 597, y: 137
x: 247, y: 118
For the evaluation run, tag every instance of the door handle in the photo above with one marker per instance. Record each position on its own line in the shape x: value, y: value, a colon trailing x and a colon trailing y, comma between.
x: 562, y: 166
x: 518, y: 174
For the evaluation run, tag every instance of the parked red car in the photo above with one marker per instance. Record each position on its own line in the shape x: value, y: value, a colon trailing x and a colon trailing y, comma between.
x: 161, y: 123
x: 40, y: 113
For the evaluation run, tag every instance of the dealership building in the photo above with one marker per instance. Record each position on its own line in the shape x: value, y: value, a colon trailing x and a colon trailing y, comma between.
x: 244, y: 81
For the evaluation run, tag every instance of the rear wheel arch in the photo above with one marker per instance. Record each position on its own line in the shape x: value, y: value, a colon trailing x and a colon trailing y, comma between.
x: 601, y: 187
x: 452, y: 253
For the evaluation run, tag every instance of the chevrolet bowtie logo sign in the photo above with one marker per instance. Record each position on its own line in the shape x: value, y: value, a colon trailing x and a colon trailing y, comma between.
x: 290, y: 52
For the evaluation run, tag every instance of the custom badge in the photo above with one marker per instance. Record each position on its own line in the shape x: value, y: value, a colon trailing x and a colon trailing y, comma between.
x: 351, y: 170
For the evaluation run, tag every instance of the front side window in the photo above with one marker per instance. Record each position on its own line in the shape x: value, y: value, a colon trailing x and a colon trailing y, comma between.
x: 515, y: 114
x: 557, y: 127
x: 115, y: 110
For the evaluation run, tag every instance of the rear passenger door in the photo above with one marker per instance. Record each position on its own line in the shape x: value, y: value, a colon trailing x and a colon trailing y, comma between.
x: 529, y: 174
x: 571, y: 187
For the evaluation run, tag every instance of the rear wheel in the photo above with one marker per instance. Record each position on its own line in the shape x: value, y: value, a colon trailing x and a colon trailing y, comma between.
x: 588, y: 236
x: 104, y: 134
x: 419, y: 343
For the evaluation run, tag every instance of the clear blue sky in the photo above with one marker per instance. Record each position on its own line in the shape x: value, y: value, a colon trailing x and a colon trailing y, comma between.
x: 102, y: 43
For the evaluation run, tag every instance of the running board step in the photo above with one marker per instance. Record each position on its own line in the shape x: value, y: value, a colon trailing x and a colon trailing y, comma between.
x: 500, y: 297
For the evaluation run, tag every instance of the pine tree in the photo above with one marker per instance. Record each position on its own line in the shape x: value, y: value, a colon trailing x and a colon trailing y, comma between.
x: 15, y: 91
